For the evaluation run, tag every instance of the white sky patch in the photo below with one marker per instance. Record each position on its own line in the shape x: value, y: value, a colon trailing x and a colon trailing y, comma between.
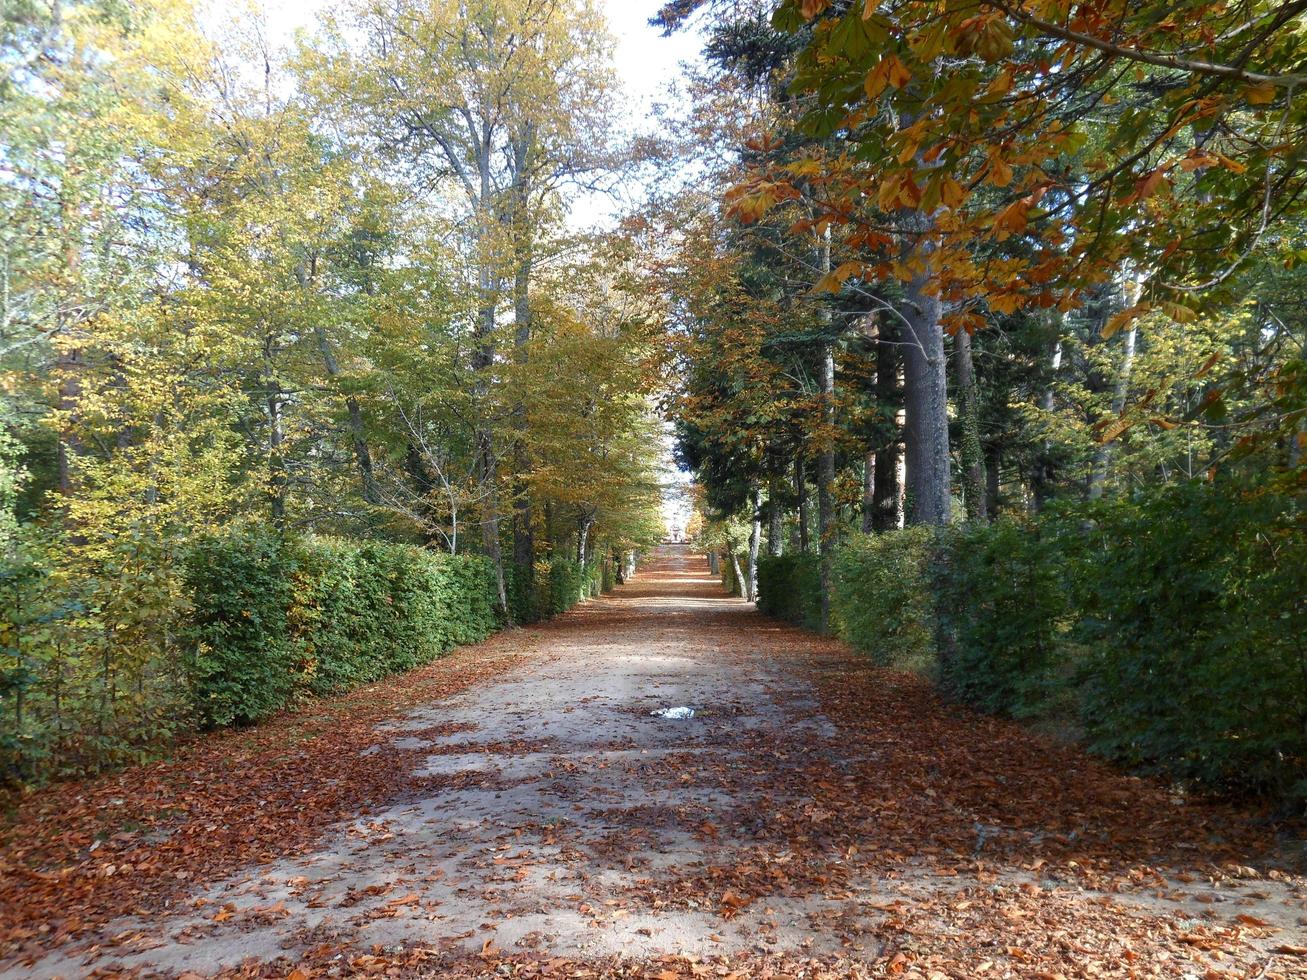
x: 646, y: 64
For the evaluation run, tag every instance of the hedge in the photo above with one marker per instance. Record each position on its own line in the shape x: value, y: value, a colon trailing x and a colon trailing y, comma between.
x: 1193, y: 615
x: 881, y: 600
x: 789, y: 587
x: 271, y: 617
x: 1170, y: 626
x: 1001, y: 612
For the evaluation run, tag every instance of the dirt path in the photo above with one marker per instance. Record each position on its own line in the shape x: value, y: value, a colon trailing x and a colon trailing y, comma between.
x: 814, y: 810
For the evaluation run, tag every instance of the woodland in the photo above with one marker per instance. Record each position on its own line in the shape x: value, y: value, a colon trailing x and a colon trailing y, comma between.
x: 978, y: 324
x: 964, y: 339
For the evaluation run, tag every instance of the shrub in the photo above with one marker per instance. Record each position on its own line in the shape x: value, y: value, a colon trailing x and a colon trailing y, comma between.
x: 1001, y: 607
x: 789, y: 587
x: 1192, y: 613
x: 529, y: 596
x: 273, y: 617
x: 240, y: 656
x: 881, y: 601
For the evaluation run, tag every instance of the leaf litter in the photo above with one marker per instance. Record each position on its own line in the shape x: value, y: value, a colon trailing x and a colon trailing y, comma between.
x: 867, y: 829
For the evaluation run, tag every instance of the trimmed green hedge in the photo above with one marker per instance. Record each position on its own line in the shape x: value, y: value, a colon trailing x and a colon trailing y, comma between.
x: 1192, y: 612
x: 881, y: 601
x: 271, y: 617
x: 789, y: 587
x: 238, y: 631
x: 1001, y: 611
x: 1170, y: 626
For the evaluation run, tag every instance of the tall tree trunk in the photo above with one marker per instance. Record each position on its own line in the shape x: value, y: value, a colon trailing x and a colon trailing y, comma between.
x: 826, y: 459
x: 775, y: 546
x: 755, y: 540
x: 354, y: 414
x: 974, y: 481
x: 483, y: 359
x: 276, y: 441
x: 868, y: 491
x: 801, y: 491
x: 523, y: 531
x: 925, y: 394
x: 993, y: 470
x: 826, y: 483
x: 584, y: 523
x: 1042, y: 484
x: 735, y: 568
x: 1103, y: 453
x: 888, y: 491
x: 68, y: 361
x: 68, y: 369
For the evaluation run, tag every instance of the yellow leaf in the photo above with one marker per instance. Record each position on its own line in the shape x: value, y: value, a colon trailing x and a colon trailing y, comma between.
x: 1011, y: 220
x: 1179, y: 313
x: 951, y: 193
x: 1124, y: 318
x: 1000, y: 174
x: 898, y: 72
x: 1115, y: 428
x: 1260, y: 94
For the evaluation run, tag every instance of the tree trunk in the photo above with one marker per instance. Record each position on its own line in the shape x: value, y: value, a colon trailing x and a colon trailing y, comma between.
x: 583, y: 526
x: 888, y: 490
x: 68, y: 367
x: 523, y: 530
x: 1042, y: 483
x: 714, y: 566
x: 276, y: 440
x: 735, y: 567
x: 755, y: 540
x: 354, y: 414
x: 775, y: 546
x: 925, y: 399
x: 826, y: 483
x: 993, y: 469
x: 868, y: 491
x: 483, y: 359
x: 974, y: 481
x: 1121, y: 390
x: 801, y: 491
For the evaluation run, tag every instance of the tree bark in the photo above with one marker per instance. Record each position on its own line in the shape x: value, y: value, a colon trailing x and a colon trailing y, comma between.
x: 354, y: 414
x: 735, y: 567
x: 277, y: 482
x: 925, y: 398
x: 974, y: 481
x: 993, y: 470
x: 868, y: 491
x: 755, y: 540
x: 826, y: 483
x: 801, y: 491
x: 1121, y: 390
x: 775, y: 546
x: 888, y: 490
x: 1042, y: 482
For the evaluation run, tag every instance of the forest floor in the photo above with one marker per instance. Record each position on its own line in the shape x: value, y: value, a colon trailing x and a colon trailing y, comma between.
x: 516, y: 810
